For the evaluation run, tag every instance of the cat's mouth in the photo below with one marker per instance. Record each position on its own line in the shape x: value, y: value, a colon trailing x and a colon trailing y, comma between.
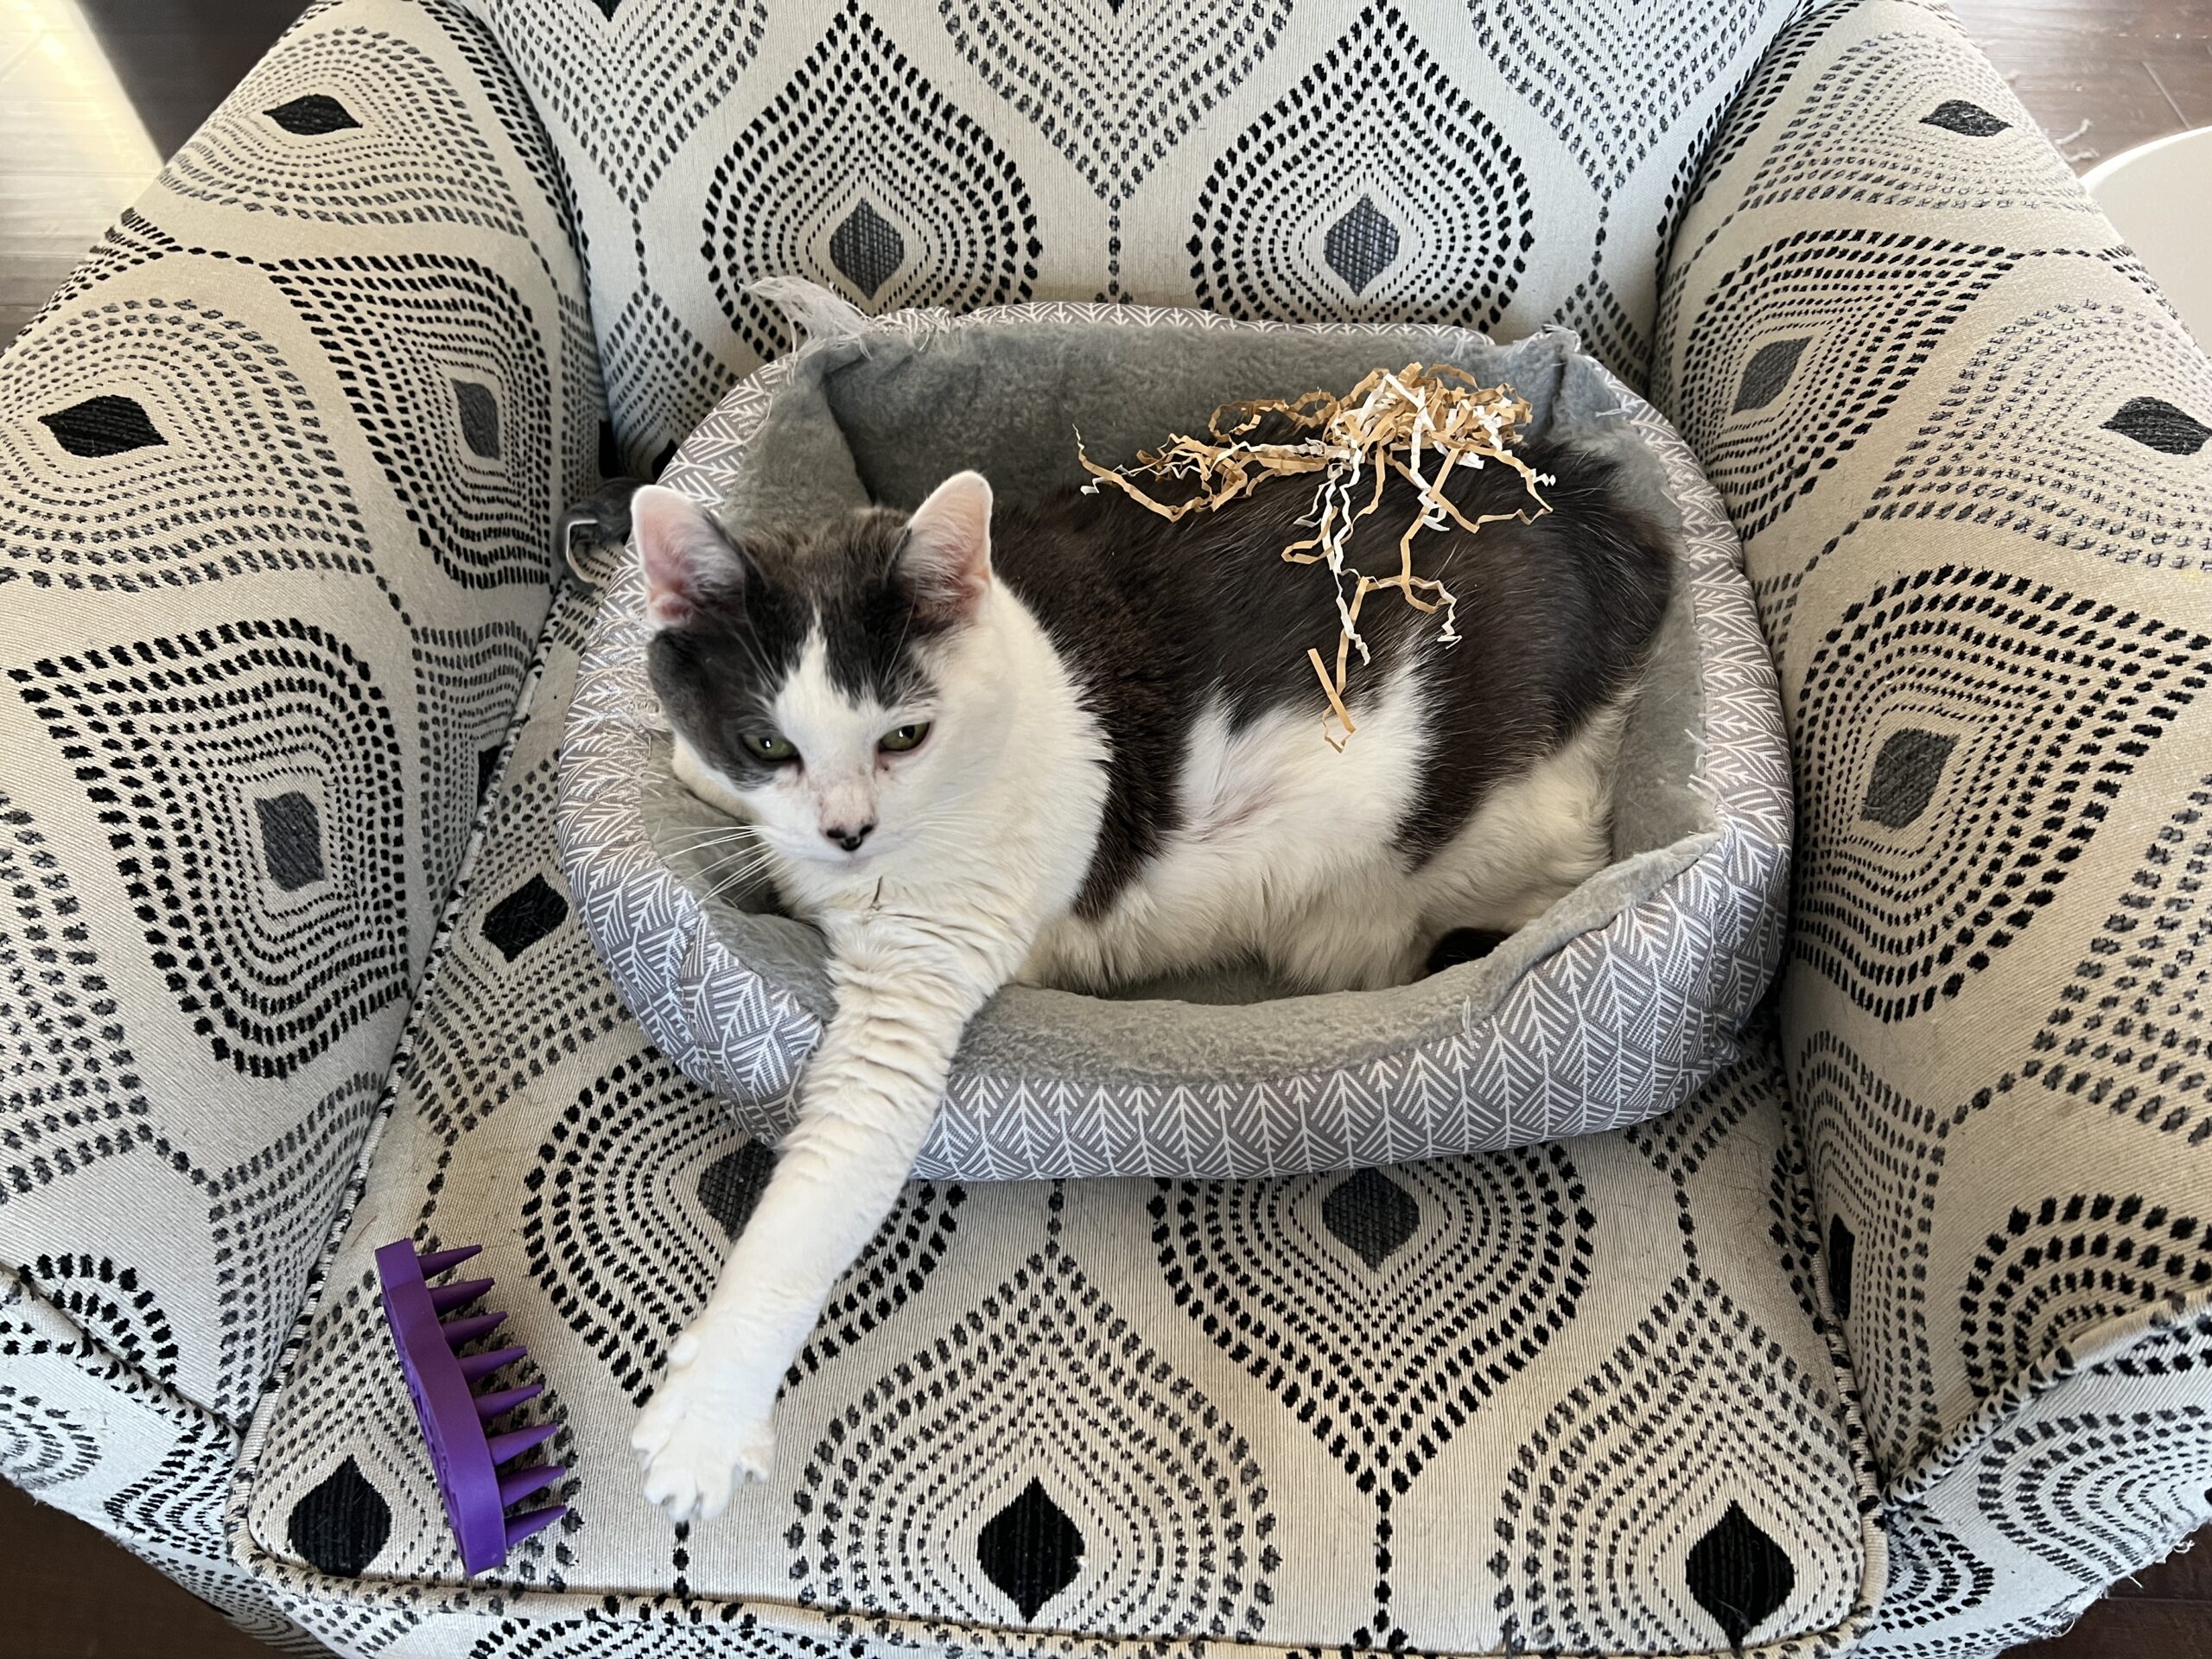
x: 829, y: 855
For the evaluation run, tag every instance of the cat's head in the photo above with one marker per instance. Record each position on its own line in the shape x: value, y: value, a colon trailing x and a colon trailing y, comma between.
x: 836, y: 680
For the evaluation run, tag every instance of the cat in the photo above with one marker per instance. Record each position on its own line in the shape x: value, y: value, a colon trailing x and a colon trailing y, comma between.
x: 1076, y: 744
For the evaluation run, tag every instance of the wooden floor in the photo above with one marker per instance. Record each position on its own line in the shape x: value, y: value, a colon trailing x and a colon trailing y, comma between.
x: 92, y: 95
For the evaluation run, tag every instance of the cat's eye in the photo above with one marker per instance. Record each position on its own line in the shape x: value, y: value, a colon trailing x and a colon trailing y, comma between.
x: 771, y: 745
x: 901, y: 738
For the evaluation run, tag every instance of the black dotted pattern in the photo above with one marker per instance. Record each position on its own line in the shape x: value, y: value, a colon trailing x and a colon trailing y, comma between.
x: 372, y: 401
x: 41, y: 1445
x: 266, y: 1218
x: 859, y: 151
x: 1875, y: 1158
x: 1263, y: 230
x: 1828, y: 289
x: 2064, y: 1267
x: 1623, y: 1466
x: 1934, y: 1576
x: 244, y: 479
x: 170, y: 739
x: 2049, y: 702
x: 464, y: 683
x: 2094, y: 1494
x: 403, y: 333
x: 73, y: 1093
x: 2120, y: 482
x: 1097, y: 1489
x: 674, y: 63
x: 113, y: 1303
x: 398, y: 145
x: 2133, y: 1030
x: 508, y: 1021
x: 249, y: 800
x: 1463, y: 1272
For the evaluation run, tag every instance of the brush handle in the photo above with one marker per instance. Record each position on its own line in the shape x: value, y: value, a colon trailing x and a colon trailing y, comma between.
x: 453, y: 1413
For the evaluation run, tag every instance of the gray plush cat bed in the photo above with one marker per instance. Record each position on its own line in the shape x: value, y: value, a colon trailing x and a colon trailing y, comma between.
x: 1613, y: 1007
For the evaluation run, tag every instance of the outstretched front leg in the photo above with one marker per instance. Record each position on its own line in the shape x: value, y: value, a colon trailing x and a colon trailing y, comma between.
x: 867, y: 1102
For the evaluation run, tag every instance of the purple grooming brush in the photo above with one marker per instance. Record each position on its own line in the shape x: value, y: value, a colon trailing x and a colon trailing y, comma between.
x: 453, y: 1414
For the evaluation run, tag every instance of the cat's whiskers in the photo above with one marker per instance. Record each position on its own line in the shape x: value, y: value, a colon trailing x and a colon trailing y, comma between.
x: 753, y: 855
x: 744, y: 875
x: 740, y: 879
x: 724, y: 827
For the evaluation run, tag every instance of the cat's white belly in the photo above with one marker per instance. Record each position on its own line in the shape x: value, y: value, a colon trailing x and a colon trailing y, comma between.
x: 1288, y: 852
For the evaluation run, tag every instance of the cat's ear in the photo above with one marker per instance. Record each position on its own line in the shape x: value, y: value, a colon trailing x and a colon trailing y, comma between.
x: 687, y: 560
x: 945, y: 562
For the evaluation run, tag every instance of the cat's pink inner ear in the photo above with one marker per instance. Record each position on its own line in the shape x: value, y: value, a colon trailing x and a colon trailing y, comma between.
x: 685, y: 557
x: 947, y: 561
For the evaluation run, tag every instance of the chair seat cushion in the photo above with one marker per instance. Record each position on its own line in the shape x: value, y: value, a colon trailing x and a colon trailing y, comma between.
x: 1614, y: 1005
x: 1575, y: 1396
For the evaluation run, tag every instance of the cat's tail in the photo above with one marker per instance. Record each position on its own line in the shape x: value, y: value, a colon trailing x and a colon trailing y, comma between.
x: 814, y: 313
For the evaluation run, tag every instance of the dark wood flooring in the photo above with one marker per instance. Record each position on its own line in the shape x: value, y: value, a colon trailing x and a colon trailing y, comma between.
x: 93, y: 94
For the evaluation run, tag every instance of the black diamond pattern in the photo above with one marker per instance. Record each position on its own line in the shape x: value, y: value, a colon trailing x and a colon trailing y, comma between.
x: 1768, y: 373
x: 1956, y: 114
x: 732, y: 1184
x: 525, y: 916
x: 868, y: 248
x: 480, y: 417
x: 341, y: 1525
x: 1906, y: 771
x: 1739, y: 1574
x: 1361, y: 245
x: 291, y: 840
x: 1030, y: 1550
x: 1372, y: 1214
x: 105, y: 425
x: 316, y: 112
x: 2157, y: 424
x: 1841, y: 1242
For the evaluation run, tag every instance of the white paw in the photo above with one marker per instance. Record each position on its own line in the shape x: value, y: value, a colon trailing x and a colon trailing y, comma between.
x: 698, y: 1439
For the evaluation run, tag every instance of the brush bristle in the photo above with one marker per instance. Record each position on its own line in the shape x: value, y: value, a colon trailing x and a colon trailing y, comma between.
x: 522, y: 1526
x: 528, y: 1483
x: 476, y: 1367
x: 460, y: 1332
x: 446, y: 1297
x: 505, y: 1448
x: 489, y: 1406
x: 438, y: 1261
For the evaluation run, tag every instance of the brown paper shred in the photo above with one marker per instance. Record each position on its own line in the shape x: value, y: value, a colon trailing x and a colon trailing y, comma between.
x: 1420, y: 423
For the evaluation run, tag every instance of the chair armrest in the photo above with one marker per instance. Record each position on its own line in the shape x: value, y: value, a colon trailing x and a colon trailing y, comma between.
x: 1967, y: 443
x: 2095, y: 1476
x: 278, y: 473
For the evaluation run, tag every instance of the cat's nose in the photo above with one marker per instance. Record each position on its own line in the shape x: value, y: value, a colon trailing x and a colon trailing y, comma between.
x: 849, y: 838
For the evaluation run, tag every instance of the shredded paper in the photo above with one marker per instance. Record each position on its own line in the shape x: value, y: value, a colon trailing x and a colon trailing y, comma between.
x: 1419, y: 423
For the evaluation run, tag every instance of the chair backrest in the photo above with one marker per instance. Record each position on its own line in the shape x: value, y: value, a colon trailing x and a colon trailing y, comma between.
x: 1498, y: 164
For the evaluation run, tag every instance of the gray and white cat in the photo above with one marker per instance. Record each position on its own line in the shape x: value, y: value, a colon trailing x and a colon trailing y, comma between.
x: 1082, y: 746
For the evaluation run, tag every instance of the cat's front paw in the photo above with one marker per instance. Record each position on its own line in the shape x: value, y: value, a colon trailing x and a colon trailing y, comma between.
x: 697, y: 1440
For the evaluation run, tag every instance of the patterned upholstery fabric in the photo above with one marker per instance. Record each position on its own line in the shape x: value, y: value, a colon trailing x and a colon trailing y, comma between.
x: 1490, y: 164
x: 1965, y: 440
x: 276, y: 470
x: 275, y: 474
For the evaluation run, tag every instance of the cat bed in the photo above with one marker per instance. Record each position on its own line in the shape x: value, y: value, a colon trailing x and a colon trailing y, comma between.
x: 1611, y: 1007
